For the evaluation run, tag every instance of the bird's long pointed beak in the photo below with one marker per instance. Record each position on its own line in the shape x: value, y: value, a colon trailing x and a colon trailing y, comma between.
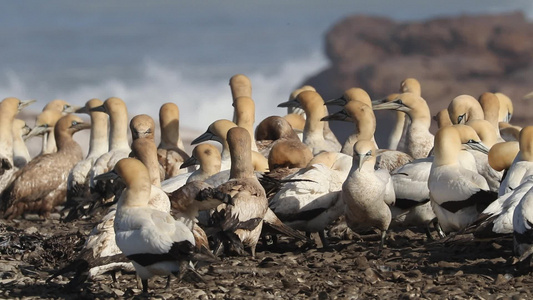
x: 206, y: 136
x: 36, y: 131
x: 338, y: 116
x: 25, y: 103
x: 386, y: 105
x: 337, y: 102
x: 191, y: 161
x: 290, y: 103
x: 107, y: 176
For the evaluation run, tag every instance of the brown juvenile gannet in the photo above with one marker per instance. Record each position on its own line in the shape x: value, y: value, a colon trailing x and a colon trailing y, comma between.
x: 42, y: 183
x: 464, y: 108
x: 78, y: 179
x: 118, y: 143
x: 218, y: 131
x: 522, y: 165
x: 313, y: 136
x: 506, y: 108
x: 153, y: 240
x: 244, y: 114
x: 9, y: 107
x: 171, y: 152
x: 457, y: 195
x: 367, y: 193
x: 297, y: 122
x: 275, y: 130
x: 44, y: 126
x: 419, y: 139
x: 250, y: 202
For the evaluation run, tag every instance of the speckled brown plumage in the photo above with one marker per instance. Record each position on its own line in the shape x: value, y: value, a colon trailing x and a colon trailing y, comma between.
x: 42, y: 183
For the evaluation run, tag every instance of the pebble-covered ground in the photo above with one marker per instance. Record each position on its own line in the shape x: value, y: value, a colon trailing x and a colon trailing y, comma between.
x: 408, y: 268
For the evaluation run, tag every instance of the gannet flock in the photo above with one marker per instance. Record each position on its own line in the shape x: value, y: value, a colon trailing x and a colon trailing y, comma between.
x: 160, y: 211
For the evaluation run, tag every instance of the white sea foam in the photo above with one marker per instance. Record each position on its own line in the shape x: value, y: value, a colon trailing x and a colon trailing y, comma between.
x: 201, y: 99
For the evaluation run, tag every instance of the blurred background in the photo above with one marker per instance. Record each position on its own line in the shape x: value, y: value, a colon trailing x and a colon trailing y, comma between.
x: 152, y: 52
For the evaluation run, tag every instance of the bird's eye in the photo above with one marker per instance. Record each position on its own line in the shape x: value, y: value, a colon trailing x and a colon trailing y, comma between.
x: 66, y: 106
x: 369, y: 153
x: 45, y: 125
x: 74, y: 123
x: 460, y: 118
x: 399, y: 101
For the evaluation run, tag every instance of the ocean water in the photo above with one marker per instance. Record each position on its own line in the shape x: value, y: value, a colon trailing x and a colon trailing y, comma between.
x: 152, y: 52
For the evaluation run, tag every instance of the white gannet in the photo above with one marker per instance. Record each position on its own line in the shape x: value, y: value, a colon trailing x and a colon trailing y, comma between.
x: 118, y: 143
x: 365, y: 126
x: 523, y: 228
x: 457, y: 194
x: 491, y: 109
x: 44, y: 126
x: 78, y: 180
x: 42, y: 183
x: 244, y: 114
x: 367, y: 193
x: 208, y: 158
x: 313, y: 135
x: 153, y: 240
x: 218, y: 131
x: 487, y: 133
x: 21, y: 155
x: 419, y: 139
x: 9, y: 107
x: 506, y: 108
x: 463, y: 108
x: 310, y: 200
x: 171, y: 152
x: 522, y: 165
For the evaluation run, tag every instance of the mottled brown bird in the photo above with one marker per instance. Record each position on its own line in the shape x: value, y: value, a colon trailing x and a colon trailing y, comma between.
x: 42, y: 183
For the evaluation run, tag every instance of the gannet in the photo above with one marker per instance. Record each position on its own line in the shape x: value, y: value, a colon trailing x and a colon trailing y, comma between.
x: 443, y: 118
x: 522, y: 227
x: 502, y: 155
x: 506, y: 108
x: 155, y: 242
x: 42, y: 183
x: 310, y: 200
x: 208, y: 158
x: 509, y: 132
x: 118, y: 143
x: 367, y: 193
x: 44, y: 126
x: 313, y: 135
x: 457, y: 194
x: 365, y: 126
x: 292, y: 96
x: 464, y: 108
x: 244, y: 114
x: 61, y: 106
x: 21, y: 156
x: 171, y: 152
x: 250, y: 202
x: 78, y: 180
x: 9, y: 107
x: 491, y: 109
x: 523, y: 163
x: 240, y: 86
x: 218, y: 131
x: 276, y: 133
x: 419, y: 139
x: 297, y: 122
x: 497, y: 218
x: 487, y: 133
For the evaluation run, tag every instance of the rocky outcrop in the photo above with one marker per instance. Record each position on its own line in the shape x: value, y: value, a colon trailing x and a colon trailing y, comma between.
x: 449, y: 56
